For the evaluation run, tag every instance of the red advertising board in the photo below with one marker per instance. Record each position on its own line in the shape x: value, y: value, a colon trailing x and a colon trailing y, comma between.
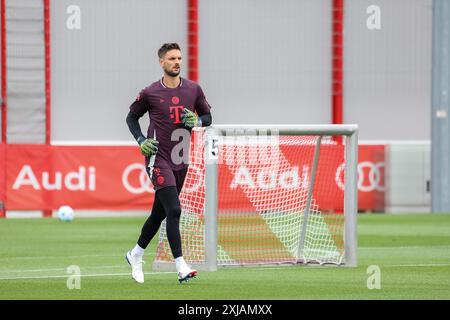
x: 40, y: 177
x: 84, y: 177
x: 2, y: 178
x: 371, y: 177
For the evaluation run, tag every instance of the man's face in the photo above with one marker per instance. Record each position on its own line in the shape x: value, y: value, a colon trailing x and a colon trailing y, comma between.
x: 171, y: 62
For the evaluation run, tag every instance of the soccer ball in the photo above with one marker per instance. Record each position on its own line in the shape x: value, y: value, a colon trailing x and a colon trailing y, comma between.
x: 65, y: 213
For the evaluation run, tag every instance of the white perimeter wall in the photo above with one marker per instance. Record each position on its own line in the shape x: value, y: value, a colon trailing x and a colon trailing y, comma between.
x: 408, y: 175
x: 261, y: 61
x: 98, y: 71
x: 388, y: 72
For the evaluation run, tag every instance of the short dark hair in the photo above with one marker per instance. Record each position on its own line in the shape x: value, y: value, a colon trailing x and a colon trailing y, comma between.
x: 167, y: 47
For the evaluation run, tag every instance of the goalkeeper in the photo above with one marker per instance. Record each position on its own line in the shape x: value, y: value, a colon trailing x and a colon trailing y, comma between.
x: 173, y: 103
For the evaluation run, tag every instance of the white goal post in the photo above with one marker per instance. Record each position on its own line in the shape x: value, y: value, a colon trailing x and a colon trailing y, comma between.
x: 268, y: 194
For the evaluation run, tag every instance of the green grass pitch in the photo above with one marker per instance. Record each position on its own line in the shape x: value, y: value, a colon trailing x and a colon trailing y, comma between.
x: 412, y: 252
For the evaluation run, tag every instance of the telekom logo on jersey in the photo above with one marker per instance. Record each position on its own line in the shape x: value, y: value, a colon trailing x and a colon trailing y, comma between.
x: 175, y: 113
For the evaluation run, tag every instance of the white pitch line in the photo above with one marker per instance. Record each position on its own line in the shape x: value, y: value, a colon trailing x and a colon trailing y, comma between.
x: 403, y: 247
x: 59, y: 269
x: 67, y: 257
x: 418, y: 265
x: 84, y: 276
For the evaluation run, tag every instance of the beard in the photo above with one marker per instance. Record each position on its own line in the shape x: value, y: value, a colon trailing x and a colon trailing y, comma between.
x: 172, y: 73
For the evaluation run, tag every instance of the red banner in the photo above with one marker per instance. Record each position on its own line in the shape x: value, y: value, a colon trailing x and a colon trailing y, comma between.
x: 40, y: 177
x: 84, y: 177
x: 243, y: 187
x: 2, y: 178
x: 371, y: 177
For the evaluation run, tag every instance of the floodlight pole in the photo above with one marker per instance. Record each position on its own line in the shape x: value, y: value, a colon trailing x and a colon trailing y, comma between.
x: 440, y: 108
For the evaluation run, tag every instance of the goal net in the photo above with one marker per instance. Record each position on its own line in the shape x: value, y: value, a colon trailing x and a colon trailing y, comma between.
x: 268, y: 195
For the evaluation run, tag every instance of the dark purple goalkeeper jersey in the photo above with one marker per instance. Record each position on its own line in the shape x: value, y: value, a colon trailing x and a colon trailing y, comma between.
x: 164, y: 106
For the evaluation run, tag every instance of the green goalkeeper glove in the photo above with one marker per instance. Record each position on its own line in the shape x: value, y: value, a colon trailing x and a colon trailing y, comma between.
x: 189, y: 118
x: 149, y: 147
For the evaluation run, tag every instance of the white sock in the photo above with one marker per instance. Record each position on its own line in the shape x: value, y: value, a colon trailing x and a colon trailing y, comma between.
x: 137, y: 251
x: 180, y: 263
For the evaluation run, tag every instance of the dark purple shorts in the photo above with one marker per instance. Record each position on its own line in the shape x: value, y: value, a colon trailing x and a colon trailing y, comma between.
x: 166, y: 177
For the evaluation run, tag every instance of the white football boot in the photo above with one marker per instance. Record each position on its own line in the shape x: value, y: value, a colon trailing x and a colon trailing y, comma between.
x: 136, y: 267
x: 185, y: 273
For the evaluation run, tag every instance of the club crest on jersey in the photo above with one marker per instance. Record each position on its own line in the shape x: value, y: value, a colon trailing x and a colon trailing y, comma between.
x: 160, y: 180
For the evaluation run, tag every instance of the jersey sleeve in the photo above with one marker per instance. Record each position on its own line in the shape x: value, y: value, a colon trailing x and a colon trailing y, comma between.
x: 201, y: 104
x: 139, y: 107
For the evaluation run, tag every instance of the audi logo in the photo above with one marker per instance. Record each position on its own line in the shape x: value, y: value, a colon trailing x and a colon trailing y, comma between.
x: 369, y: 176
x: 144, y: 184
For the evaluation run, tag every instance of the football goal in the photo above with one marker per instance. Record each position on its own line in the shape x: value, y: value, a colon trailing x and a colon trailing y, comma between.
x: 268, y: 194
